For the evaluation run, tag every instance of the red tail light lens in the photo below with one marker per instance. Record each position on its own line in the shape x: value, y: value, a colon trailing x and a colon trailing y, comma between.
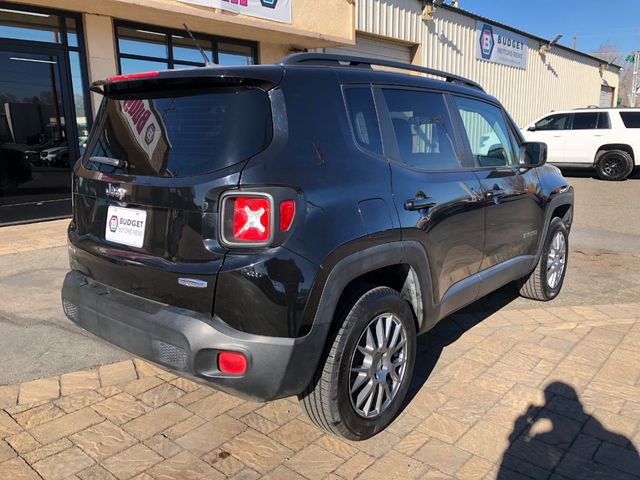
x: 287, y: 211
x: 132, y: 76
x: 232, y: 363
x: 251, y: 219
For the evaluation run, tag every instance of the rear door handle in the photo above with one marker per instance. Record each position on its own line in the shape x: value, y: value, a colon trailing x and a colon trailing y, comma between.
x: 419, y: 203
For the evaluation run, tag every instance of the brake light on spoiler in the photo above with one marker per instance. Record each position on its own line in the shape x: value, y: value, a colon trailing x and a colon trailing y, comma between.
x: 132, y: 76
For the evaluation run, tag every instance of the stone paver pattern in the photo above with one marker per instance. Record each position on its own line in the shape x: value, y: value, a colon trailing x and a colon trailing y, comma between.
x: 517, y: 394
x: 33, y: 236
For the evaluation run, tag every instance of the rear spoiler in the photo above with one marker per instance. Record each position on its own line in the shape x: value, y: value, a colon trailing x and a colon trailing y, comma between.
x: 261, y: 76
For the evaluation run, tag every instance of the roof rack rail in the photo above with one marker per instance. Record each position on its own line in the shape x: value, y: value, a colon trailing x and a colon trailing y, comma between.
x: 354, y: 61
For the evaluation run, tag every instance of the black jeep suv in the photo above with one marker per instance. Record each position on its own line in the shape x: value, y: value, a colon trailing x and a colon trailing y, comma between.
x: 290, y: 229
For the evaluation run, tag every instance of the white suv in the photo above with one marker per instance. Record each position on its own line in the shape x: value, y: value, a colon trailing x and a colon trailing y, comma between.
x: 605, y: 138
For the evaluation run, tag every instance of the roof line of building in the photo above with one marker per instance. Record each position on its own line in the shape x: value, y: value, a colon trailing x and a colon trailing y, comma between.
x: 527, y: 34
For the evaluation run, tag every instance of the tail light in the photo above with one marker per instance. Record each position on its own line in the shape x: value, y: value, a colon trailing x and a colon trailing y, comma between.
x: 252, y: 219
x: 232, y: 363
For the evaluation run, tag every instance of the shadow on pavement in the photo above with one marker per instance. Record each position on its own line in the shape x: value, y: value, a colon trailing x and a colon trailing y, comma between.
x: 591, y: 173
x: 450, y: 329
x: 560, y: 437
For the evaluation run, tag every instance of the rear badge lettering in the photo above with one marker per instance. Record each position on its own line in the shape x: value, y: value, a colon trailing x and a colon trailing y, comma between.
x: 192, y: 282
x: 530, y: 234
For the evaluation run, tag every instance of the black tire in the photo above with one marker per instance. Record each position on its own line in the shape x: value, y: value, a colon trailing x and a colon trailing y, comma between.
x: 614, y: 165
x: 536, y: 285
x: 327, y: 400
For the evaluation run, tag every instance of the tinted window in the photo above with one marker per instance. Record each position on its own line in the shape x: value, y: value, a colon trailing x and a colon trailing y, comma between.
x: 603, y: 120
x: 489, y: 137
x: 554, y: 122
x: 422, y: 129
x: 180, y: 136
x: 631, y: 119
x: 585, y: 121
x: 364, y: 121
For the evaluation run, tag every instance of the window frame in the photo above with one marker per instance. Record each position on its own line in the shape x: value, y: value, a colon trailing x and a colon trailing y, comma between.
x: 212, y: 41
x: 354, y: 139
x: 389, y: 142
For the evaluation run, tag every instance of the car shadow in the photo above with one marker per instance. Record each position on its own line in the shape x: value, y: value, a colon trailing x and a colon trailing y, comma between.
x: 591, y: 173
x: 560, y: 437
x: 450, y: 329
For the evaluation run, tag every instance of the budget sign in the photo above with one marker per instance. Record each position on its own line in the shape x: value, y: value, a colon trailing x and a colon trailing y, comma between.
x: 498, y: 45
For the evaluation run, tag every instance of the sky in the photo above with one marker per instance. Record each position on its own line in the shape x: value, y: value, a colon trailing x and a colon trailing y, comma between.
x: 595, y: 22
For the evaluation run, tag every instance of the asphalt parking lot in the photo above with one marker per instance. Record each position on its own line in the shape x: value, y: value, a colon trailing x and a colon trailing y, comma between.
x: 508, y: 388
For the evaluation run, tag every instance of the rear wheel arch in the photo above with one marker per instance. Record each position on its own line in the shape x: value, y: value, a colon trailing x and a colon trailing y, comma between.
x: 402, y: 266
x: 614, y: 146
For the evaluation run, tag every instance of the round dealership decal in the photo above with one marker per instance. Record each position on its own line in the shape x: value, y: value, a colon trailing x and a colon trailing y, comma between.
x: 150, y: 134
x: 113, y: 223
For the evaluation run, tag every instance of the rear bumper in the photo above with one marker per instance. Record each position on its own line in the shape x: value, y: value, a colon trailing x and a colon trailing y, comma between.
x: 187, y: 342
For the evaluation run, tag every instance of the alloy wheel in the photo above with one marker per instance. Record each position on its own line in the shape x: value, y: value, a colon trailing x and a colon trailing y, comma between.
x: 556, y: 260
x: 378, y: 365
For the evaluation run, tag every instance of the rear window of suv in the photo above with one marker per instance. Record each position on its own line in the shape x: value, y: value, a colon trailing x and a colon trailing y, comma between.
x: 630, y: 119
x: 183, y: 135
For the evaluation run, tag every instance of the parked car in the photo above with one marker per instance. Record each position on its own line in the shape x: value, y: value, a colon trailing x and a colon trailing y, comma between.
x: 290, y: 229
x: 56, y: 156
x: 605, y: 138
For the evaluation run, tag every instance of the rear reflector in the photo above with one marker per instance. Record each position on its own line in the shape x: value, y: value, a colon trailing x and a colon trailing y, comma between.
x: 287, y: 211
x: 233, y: 363
x: 251, y: 219
x: 132, y: 76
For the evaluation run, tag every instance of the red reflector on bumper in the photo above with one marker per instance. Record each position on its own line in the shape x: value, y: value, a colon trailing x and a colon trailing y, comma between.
x: 233, y: 363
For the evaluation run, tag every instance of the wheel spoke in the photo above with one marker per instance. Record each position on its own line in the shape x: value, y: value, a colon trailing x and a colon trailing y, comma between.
x: 398, y: 346
x: 380, y: 398
x: 359, y: 381
x: 380, y: 336
x: 364, y: 394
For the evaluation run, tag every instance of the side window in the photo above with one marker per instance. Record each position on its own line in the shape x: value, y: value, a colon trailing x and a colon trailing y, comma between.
x: 604, y: 122
x: 489, y: 137
x: 364, y: 121
x: 631, y: 119
x: 558, y: 121
x: 585, y: 121
x: 422, y: 129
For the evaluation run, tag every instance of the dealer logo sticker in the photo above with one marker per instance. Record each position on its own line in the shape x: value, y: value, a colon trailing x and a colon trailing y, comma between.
x: 486, y: 41
x: 113, y: 223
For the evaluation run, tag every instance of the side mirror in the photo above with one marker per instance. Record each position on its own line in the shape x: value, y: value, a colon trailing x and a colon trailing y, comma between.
x: 532, y: 128
x: 533, y: 154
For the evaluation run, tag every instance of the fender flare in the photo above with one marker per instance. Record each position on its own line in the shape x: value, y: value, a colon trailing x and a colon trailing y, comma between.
x: 558, y: 200
x: 364, y: 261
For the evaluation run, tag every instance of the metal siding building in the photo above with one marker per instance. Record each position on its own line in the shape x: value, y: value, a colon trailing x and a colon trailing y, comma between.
x: 560, y: 79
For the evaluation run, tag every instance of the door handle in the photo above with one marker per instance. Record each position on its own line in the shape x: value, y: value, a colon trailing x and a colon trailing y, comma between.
x: 419, y: 203
x: 496, y: 193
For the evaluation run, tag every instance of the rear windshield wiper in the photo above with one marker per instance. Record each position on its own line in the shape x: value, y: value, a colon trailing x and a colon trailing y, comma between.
x: 114, y: 162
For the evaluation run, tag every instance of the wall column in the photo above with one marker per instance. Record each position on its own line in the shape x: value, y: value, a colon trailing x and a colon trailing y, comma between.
x: 101, y: 50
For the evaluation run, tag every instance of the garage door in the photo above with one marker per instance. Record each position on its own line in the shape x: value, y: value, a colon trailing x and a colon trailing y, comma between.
x: 376, y: 48
x: 606, y: 96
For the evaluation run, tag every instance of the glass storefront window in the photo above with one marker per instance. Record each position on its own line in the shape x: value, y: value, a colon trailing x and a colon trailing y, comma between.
x: 144, y: 43
x: 44, y: 111
x: 233, y: 54
x: 143, y: 48
x: 132, y: 65
x: 185, y: 51
x: 22, y: 25
x: 72, y: 32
